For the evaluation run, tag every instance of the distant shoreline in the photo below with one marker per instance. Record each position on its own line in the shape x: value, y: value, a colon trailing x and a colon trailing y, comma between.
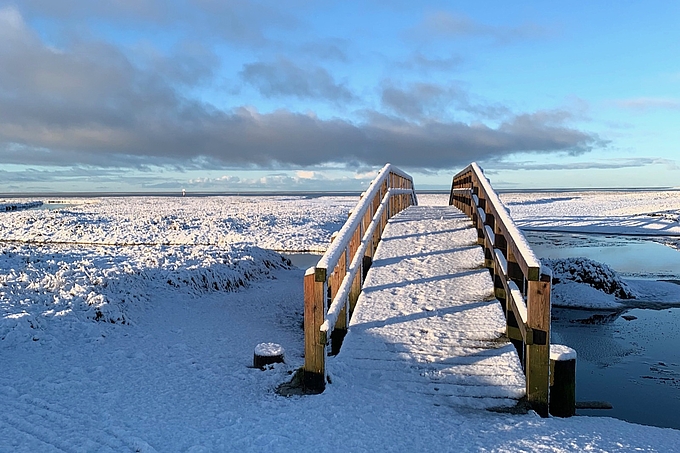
x: 347, y: 193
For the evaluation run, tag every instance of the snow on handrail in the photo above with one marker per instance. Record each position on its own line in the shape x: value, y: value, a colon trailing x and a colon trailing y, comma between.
x: 340, y: 299
x: 330, y: 259
x: 518, y: 299
x: 504, y: 216
x: 390, y: 192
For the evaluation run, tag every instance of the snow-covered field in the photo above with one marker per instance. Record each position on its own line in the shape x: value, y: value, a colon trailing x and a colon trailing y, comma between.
x: 129, y: 324
x: 655, y: 213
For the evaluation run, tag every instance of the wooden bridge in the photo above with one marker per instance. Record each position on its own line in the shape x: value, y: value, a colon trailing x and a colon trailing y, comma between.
x: 449, y: 302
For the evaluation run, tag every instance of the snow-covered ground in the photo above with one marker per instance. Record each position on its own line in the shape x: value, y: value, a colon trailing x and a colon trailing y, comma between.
x: 277, y: 223
x: 129, y: 324
x: 654, y: 213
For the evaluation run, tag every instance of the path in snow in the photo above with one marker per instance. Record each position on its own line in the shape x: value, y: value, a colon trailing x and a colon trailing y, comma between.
x: 427, y: 321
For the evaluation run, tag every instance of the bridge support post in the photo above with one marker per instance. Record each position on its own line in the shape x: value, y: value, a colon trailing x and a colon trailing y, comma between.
x: 314, y: 371
x: 562, y: 381
x: 537, y: 357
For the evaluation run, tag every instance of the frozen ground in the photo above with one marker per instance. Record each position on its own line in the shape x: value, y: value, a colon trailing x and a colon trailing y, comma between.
x: 654, y: 213
x: 191, y: 292
x: 284, y: 223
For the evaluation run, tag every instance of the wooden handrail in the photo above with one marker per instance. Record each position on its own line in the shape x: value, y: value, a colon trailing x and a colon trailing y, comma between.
x: 332, y: 287
x: 521, y: 284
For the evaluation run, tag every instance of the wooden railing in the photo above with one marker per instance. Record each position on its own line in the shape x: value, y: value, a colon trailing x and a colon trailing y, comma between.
x: 521, y: 283
x: 332, y: 287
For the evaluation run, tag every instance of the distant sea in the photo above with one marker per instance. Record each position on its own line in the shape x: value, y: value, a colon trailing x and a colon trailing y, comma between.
x: 309, y: 194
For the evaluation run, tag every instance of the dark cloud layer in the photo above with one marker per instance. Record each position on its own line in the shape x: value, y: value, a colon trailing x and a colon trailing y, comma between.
x: 91, y: 103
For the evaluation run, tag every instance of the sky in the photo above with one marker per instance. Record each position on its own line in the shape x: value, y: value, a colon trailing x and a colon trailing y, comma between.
x: 240, y: 95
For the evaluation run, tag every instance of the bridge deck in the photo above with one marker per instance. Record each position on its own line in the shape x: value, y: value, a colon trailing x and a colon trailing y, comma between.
x: 427, y: 321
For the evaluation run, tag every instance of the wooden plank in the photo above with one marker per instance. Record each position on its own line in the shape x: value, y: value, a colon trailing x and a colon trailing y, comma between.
x: 538, y: 355
x: 315, y: 349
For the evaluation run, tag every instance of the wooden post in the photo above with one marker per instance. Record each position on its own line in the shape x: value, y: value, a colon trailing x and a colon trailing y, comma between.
x: 501, y: 245
x: 356, y: 283
x: 562, y: 381
x: 480, y: 221
x: 340, y: 329
x: 514, y: 270
x: 315, y: 346
x: 538, y: 354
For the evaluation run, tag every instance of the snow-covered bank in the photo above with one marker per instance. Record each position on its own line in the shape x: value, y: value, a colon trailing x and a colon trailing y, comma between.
x: 45, y: 288
x: 654, y: 213
x: 584, y: 283
x: 180, y: 380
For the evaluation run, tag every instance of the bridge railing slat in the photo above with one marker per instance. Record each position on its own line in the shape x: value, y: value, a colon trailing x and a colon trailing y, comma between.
x: 332, y: 287
x: 520, y: 282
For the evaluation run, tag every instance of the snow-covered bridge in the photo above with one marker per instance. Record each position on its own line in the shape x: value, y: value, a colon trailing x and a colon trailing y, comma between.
x: 406, y: 291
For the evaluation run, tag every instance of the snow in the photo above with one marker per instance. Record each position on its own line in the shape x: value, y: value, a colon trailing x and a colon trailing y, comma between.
x: 560, y: 353
x: 269, y: 350
x: 636, y: 212
x: 426, y: 321
x: 653, y: 214
x: 291, y: 223
x: 177, y: 375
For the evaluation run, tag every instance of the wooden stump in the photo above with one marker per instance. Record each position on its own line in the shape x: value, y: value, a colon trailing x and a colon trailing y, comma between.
x: 562, y: 381
x: 266, y: 354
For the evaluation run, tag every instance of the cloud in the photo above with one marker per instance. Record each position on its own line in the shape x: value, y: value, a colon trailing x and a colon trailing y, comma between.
x: 245, y: 137
x: 241, y: 23
x: 423, y: 100
x: 284, y: 78
x: 443, y: 24
x: 326, y: 49
x: 611, y: 164
x: 92, y: 104
x: 649, y: 103
x: 79, y: 9
x: 420, y: 62
x: 295, y: 181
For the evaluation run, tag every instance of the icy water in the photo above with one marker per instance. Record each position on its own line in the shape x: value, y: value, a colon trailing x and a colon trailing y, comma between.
x: 303, y: 260
x: 630, y: 359
x: 630, y: 256
x: 632, y: 363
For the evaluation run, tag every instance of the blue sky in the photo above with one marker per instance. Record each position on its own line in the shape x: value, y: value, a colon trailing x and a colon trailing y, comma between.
x: 221, y: 95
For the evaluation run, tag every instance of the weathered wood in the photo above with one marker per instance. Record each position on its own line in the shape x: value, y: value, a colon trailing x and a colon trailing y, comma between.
x: 315, y: 347
x: 538, y: 354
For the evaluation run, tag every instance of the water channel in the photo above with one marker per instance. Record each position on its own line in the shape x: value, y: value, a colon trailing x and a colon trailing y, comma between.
x: 628, y: 358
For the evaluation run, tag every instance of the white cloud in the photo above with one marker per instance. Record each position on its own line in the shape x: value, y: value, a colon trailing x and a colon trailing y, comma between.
x: 648, y: 103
